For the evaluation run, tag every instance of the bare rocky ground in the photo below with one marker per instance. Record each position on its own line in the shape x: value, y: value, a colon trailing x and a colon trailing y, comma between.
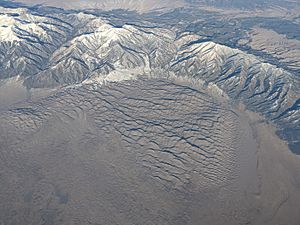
x: 284, y: 49
x: 146, y: 151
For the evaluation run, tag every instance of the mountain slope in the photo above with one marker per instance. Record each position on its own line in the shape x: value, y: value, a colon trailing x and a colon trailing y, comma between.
x: 71, y: 48
x: 27, y: 40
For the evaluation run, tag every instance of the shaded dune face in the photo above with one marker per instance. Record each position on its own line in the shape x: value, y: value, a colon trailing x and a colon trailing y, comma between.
x: 146, y: 151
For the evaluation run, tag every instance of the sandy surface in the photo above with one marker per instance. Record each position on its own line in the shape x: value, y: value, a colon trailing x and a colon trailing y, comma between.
x: 279, y: 173
x: 143, y: 152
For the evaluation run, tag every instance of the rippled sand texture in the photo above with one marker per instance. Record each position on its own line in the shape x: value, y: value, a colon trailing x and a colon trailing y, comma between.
x: 141, y: 152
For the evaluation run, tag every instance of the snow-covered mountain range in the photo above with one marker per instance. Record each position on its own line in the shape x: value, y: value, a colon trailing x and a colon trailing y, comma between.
x: 74, y: 48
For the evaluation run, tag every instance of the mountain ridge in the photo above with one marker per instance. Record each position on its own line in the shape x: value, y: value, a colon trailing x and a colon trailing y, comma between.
x: 77, y: 48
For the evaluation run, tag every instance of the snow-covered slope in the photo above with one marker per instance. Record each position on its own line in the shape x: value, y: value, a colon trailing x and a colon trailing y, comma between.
x: 102, y: 49
x: 75, y: 48
x: 27, y: 40
x: 261, y: 86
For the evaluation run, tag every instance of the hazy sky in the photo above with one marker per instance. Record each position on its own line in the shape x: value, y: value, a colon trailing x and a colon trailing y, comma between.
x: 108, y: 4
x: 143, y: 5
